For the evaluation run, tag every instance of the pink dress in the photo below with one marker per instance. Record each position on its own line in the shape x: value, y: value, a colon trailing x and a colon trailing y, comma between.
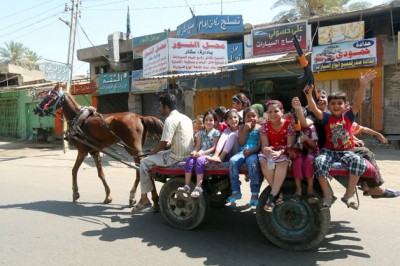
x: 303, y: 166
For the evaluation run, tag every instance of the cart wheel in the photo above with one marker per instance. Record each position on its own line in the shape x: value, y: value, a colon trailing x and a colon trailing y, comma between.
x: 296, y: 226
x: 179, y: 209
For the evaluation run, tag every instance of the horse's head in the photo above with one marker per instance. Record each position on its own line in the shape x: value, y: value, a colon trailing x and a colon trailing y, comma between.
x: 50, y: 103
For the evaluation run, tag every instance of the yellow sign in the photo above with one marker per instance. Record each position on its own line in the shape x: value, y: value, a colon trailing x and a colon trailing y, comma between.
x: 341, y: 33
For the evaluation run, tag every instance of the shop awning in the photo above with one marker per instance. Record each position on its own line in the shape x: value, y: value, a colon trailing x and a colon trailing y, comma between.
x: 279, y: 58
x: 190, y: 75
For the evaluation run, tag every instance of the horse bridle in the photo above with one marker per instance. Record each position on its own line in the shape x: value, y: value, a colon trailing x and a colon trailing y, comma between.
x: 50, y: 110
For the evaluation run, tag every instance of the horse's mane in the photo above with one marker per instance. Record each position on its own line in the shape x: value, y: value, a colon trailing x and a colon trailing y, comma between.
x: 73, y: 101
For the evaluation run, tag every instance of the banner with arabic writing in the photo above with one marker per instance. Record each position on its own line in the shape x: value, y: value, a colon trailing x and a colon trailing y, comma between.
x: 210, y: 24
x: 111, y: 83
x: 83, y: 88
x: 143, y: 42
x: 184, y: 55
x: 279, y: 39
x: 195, y: 55
x: 147, y: 85
x: 344, y: 55
x: 155, y: 59
x: 55, y: 72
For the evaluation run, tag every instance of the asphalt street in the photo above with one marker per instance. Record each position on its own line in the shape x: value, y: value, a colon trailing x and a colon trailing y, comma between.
x: 39, y: 224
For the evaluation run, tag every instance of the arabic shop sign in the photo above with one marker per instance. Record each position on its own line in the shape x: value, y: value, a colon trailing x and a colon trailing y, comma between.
x: 341, y: 33
x: 248, y: 46
x: 111, y: 83
x: 143, y: 42
x: 55, y: 72
x: 155, y: 59
x: 83, y: 88
x: 235, y: 53
x: 344, y: 55
x: 184, y: 55
x: 279, y: 39
x: 147, y: 85
x: 210, y: 24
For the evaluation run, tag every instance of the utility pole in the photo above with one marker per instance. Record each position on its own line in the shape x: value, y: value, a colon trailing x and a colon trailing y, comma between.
x: 71, y: 54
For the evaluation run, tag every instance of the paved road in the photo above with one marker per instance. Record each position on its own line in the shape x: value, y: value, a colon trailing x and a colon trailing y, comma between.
x: 39, y: 225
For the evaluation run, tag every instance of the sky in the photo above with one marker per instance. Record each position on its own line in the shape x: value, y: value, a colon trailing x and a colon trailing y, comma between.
x: 37, y: 24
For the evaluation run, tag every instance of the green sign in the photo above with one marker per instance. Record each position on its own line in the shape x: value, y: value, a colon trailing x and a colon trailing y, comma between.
x: 111, y: 83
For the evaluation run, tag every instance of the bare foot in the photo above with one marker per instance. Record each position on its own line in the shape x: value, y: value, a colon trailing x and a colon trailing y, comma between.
x: 214, y: 159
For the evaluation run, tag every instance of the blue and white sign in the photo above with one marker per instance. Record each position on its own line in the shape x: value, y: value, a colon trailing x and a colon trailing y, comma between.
x: 344, y: 55
x: 210, y: 24
x: 235, y: 53
x: 111, y: 83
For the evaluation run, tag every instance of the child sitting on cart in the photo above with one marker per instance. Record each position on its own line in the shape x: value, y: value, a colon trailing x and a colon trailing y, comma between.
x: 276, y: 135
x: 339, y: 140
x: 206, y: 140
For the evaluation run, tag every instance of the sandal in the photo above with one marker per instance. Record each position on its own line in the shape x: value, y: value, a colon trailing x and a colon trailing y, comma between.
x: 296, y: 197
x: 254, y: 202
x: 196, y: 192
x: 185, y: 189
x: 279, y: 199
x: 235, y: 196
x: 312, y: 198
x: 269, y: 205
x: 326, y: 203
x: 350, y: 202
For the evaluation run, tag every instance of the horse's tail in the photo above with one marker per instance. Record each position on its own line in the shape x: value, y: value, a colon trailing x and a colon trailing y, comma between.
x: 153, y: 128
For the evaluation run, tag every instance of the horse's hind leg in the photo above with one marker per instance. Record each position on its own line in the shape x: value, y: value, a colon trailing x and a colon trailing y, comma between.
x: 97, y: 160
x: 132, y: 193
x: 79, y: 159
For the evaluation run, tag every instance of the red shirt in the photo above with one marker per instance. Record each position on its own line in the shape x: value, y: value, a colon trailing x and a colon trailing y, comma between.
x: 277, y: 139
x: 339, y: 134
x: 222, y: 126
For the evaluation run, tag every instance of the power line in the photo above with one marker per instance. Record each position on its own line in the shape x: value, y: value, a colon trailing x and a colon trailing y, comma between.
x: 87, y: 37
x: 27, y: 9
x: 34, y: 23
x: 164, y: 7
x: 110, y: 3
x: 26, y: 19
x: 33, y: 31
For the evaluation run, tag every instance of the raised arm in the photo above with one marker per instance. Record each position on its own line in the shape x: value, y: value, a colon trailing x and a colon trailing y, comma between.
x: 311, y: 103
x: 304, y: 122
x: 364, y: 80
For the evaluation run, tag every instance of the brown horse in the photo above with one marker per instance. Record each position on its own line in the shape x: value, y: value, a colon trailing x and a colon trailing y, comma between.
x: 102, y: 132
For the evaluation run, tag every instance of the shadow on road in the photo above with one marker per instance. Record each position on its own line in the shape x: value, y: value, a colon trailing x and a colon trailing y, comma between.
x: 229, y: 236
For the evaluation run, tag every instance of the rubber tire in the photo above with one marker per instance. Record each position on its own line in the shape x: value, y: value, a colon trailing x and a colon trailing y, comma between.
x: 179, y: 209
x: 296, y: 226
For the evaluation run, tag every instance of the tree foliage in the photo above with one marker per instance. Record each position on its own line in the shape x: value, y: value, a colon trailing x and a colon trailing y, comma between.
x: 18, y: 54
x: 306, y: 8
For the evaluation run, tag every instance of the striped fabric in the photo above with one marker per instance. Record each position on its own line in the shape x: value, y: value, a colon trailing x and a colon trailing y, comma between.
x: 178, y: 132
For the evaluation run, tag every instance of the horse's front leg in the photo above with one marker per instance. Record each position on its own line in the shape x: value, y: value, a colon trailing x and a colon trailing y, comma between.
x: 100, y: 173
x: 75, y: 191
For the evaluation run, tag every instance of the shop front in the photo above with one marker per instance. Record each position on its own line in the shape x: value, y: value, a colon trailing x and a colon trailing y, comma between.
x: 342, y: 72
